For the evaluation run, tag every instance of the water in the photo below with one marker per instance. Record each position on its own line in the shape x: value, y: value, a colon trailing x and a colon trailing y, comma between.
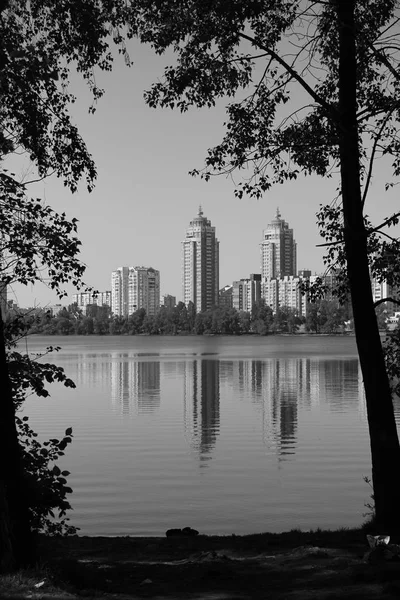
x: 223, y: 434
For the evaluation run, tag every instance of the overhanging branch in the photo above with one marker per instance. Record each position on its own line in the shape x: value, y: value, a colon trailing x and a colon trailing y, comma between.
x: 328, y: 107
x: 389, y: 299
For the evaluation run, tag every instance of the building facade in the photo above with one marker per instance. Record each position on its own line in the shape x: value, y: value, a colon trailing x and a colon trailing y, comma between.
x: 168, y: 301
x: 284, y: 292
x: 278, y: 250
x: 133, y: 288
x: 119, y: 291
x: 246, y: 292
x: 143, y: 290
x: 84, y: 299
x: 225, y: 297
x: 200, y: 264
x: 382, y: 290
x: 289, y: 295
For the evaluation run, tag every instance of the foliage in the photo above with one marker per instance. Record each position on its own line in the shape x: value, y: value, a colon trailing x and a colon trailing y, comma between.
x: 383, y: 256
x: 325, y: 316
x: 168, y: 321
x: 370, y: 505
x: 40, y: 42
x: 46, y: 486
x: 36, y: 243
x: 392, y: 357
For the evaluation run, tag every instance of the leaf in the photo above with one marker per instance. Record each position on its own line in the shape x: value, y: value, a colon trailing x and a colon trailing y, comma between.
x: 56, y: 470
x: 68, y: 431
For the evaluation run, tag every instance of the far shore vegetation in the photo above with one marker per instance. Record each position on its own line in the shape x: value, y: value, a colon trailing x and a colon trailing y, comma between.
x: 323, y: 317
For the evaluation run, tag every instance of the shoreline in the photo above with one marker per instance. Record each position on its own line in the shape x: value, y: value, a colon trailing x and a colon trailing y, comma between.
x: 294, y: 565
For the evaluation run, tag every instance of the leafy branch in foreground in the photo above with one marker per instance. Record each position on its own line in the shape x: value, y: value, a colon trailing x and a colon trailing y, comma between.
x: 45, y: 485
x: 36, y: 243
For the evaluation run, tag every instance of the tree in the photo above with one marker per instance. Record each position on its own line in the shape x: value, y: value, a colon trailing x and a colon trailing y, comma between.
x: 313, y: 318
x: 35, y: 242
x: 261, y: 317
x: 191, y: 315
x: 325, y: 316
x: 244, y: 321
x: 286, y: 320
x: 337, y: 61
x: 39, y: 42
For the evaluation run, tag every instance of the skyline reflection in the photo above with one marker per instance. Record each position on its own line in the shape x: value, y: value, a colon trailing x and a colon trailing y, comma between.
x: 201, y: 403
x: 276, y: 388
x: 135, y: 385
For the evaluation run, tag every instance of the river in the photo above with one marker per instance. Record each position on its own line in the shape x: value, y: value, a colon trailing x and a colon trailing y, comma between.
x: 223, y: 434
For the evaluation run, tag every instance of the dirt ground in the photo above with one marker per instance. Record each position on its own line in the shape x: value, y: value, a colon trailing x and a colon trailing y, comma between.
x: 290, y: 566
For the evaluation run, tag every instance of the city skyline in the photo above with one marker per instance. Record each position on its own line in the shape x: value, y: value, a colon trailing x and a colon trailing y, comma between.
x: 143, y: 196
x: 200, y: 272
x: 133, y: 288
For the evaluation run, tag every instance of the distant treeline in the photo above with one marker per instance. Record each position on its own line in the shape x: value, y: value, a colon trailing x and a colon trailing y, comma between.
x: 322, y: 317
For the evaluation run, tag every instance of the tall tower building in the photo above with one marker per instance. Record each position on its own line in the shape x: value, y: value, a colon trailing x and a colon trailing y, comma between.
x: 278, y: 250
x: 200, y: 264
x: 133, y: 288
x: 143, y: 290
x: 119, y: 292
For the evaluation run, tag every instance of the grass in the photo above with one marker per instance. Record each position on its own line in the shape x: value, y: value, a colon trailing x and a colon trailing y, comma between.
x: 33, y: 584
x: 294, y: 565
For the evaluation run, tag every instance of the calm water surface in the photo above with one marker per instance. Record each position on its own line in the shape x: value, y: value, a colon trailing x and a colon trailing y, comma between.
x: 224, y: 434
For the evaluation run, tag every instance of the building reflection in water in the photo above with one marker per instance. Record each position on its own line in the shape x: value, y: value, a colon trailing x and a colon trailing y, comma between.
x: 92, y: 369
x: 279, y: 388
x: 283, y: 385
x: 202, y: 405
x: 135, y: 385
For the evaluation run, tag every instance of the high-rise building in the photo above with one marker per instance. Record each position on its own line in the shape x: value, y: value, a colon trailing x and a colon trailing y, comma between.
x: 119, y: 291
x: 85, y: 299
x: 143, y: 290
x: 200, y: 264
x: 133, y: 288
x: 382, y: 290
x: 278, y: 249
x: 225, y: 297
x: 246, y: 292
x: 284, y: 292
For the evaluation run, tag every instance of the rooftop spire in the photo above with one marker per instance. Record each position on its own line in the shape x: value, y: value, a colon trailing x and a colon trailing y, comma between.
x: 278, y: 213
x: 200, y: 211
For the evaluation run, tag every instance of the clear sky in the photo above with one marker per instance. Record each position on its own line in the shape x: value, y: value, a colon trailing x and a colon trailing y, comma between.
x: 144, y: 197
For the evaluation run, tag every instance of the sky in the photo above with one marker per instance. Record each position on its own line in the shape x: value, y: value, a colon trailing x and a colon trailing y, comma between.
x: 144, y: 197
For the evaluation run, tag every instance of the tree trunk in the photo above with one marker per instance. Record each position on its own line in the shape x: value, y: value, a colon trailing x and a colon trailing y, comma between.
x: 385, y: 449
x: 16, y: 541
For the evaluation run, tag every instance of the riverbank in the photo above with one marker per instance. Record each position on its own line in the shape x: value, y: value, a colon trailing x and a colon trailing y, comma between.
x: 295, y: 565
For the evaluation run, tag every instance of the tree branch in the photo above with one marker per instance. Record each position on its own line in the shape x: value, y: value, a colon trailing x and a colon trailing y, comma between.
x: 329, y: 244
x: 389, y: 299
x: 385, y: 222
x: 372, y: 157
x: 329, y: 108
